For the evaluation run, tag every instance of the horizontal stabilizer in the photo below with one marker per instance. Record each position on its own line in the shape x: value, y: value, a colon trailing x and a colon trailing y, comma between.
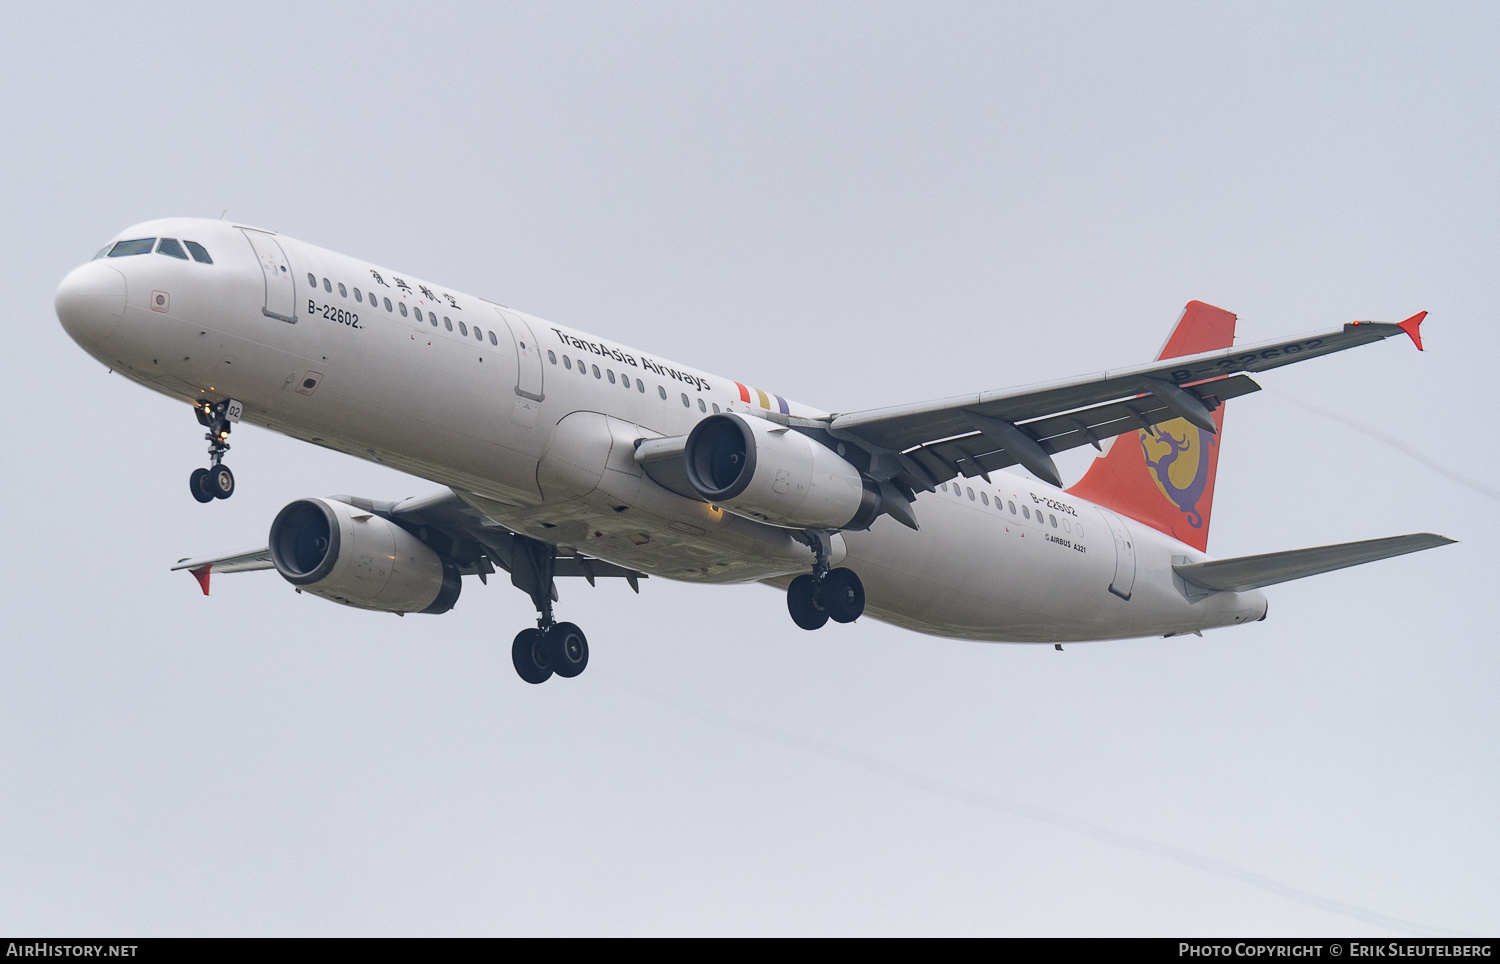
x: 1255, y: 572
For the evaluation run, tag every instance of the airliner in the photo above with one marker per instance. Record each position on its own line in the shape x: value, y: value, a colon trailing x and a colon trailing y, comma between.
x: 561, y: 453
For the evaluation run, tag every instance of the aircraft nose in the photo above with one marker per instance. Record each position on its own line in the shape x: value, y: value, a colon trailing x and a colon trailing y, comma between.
x: 90, y: 302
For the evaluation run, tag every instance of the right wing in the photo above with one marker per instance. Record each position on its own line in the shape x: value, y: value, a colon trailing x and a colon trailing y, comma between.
x: 926, y: 443
x: 1254, y: 572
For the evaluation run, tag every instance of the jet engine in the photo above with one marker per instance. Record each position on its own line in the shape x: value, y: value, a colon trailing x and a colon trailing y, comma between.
x: 360, y: 559
x: 770, y: 473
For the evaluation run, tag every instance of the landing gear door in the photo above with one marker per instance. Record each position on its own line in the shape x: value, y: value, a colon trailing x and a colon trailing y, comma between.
x: 528, y: 355
x: 281, y: 299
x: 1124, y: 579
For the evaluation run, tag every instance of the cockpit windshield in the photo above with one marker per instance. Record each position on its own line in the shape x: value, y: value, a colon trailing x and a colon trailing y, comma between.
x: 124, y: 249
x: 171, y: 248
x: 200, y: 253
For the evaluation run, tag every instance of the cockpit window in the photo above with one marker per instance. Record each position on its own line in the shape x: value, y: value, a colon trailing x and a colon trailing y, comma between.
x: 125, y: 249
x: 200, y: 253
x: 102, y: 252
x: 170, y: 247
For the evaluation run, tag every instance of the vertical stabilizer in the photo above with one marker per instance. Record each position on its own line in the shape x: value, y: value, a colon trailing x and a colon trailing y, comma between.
x: 1166, y: 480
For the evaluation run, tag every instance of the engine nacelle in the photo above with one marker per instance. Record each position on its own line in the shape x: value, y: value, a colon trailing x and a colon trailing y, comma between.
x: 769, y: 473
x: 357, y: 558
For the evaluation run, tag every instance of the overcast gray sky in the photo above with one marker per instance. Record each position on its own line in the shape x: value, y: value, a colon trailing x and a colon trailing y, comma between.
x: 850, y: 205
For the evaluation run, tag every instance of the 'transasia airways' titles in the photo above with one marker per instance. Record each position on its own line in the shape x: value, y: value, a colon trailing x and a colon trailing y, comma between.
x: 625, y: 359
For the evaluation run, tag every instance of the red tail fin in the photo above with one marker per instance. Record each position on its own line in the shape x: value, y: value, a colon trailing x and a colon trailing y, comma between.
x: 1166, y: 480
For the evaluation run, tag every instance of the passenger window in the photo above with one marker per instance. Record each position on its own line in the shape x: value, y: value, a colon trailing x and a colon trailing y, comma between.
x: 1012, y: 508
x: 716, y: 408
x: 327, y: 287
x: 1025, y: 512
x: 387, y: 304
x: 662, y: 391
x: 567, y: 363
x: 640, y: 386
x: 342, y: 292
x: 984, y: 497
x: 447, y: 323
x: 463, y: 329
x: 199, y: 252
x: 1067, y: 527
x: 402, y: 306
x: 583, y: 368
x: 171, y: 248
x: 597, y: 373
x: 971, y: 495
x: 1053, y: 519
x: 312, y: 279
x: 552, y: 356
x: 432, y: 318
x: 492, y: 338
x: 358, y: 296
x: 125, y: 249
x: 1080, y: 530
x: 943, y: 486
x: 611, y: 374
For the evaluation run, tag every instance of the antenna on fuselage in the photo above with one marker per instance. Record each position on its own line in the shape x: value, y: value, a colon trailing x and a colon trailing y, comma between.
x: 222, y: 213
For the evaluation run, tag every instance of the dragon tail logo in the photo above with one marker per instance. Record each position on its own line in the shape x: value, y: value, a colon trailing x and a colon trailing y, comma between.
x: 1179, y: 463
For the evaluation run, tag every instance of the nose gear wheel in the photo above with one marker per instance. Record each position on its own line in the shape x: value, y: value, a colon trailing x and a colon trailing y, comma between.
x: 216, y: 481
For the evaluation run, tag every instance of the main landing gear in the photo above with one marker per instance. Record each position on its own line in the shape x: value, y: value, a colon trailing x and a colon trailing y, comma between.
x: 552, y: 647
x: 825, y: 593
x: 216, y: 481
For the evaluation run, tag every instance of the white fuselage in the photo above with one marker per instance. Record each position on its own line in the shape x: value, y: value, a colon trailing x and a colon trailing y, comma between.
x: 538, y: 421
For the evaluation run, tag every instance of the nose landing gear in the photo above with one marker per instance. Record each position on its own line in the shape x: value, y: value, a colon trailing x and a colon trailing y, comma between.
x: 552, y: 647
x: 824, y: 594
x: 216, y: 481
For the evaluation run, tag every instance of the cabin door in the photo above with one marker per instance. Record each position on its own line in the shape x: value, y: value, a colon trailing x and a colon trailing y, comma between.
x: 281, y: 299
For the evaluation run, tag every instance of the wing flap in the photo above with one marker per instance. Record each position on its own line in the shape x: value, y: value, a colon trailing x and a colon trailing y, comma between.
x: 1255, y: 572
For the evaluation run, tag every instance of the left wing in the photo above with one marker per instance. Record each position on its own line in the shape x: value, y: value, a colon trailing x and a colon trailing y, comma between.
x: 474, y: 542
x: 458, y: 516
x: 926, y: 443
x: 243, y: 560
